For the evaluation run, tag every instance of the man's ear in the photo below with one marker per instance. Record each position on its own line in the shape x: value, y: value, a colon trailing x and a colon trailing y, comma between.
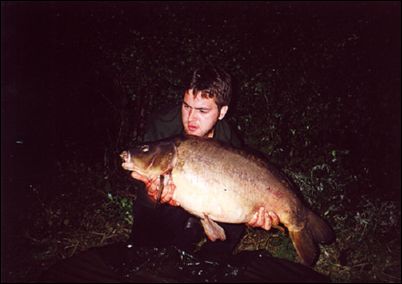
x: 223, y: 112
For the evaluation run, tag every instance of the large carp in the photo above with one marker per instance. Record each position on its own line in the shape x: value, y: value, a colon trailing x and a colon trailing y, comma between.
x: 219, y: 183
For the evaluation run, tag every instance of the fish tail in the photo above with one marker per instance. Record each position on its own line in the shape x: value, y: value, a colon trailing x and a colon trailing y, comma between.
x: 306, y: 240
x: 305, y: 246
x: 320, y: 230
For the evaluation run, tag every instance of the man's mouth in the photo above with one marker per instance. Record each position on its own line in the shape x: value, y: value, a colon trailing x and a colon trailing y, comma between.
x: 192, y: 127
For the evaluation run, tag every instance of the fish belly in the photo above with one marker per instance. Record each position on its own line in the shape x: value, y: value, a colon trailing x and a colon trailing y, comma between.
x: 203, y: 196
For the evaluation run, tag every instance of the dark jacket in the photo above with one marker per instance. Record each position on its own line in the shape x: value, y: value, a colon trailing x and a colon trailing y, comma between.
x: 164, y: 224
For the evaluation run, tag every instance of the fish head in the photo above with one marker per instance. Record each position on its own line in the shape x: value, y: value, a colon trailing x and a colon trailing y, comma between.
x: 150, y: 159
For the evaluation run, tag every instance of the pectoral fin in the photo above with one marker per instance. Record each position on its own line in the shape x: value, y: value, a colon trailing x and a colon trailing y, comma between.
x: 212, y: 229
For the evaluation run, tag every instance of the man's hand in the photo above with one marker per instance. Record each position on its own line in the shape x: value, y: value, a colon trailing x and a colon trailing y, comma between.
x: 263, y: 219
x: 152, y: 186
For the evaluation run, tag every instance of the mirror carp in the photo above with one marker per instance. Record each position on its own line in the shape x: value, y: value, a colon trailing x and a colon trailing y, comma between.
x: 219, y: 183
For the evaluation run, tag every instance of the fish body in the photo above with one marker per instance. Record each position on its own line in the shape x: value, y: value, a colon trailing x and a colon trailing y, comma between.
x: 219, y: 183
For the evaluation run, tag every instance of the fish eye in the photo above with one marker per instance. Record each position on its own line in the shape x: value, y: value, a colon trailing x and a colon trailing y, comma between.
x: 144, y: 148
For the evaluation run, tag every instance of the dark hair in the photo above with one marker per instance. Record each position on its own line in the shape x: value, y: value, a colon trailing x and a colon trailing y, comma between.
x: 212, y: 82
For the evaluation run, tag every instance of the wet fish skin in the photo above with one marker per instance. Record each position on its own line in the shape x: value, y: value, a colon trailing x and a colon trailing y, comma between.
x: 219, y: 183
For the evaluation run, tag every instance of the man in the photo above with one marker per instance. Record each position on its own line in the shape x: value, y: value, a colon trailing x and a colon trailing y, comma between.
x: 205, y: 104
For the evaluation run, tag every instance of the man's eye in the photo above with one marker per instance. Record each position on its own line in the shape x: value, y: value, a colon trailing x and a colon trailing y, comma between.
x: 203, y: 111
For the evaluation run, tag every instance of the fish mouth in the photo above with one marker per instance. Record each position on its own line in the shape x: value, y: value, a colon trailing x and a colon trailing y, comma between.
x: 125, y: 156
x: 127, y: 164
x: 130, y: 166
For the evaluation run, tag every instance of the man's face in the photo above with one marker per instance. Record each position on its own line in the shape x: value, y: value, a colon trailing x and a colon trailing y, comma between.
x: 200, y: 115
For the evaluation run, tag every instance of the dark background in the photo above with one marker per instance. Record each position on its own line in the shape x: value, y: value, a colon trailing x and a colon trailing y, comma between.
x: 54, y: 84
x: 75, y: 74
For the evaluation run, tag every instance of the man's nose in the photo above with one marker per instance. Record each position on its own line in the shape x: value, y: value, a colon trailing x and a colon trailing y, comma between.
x: 190, y: 115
